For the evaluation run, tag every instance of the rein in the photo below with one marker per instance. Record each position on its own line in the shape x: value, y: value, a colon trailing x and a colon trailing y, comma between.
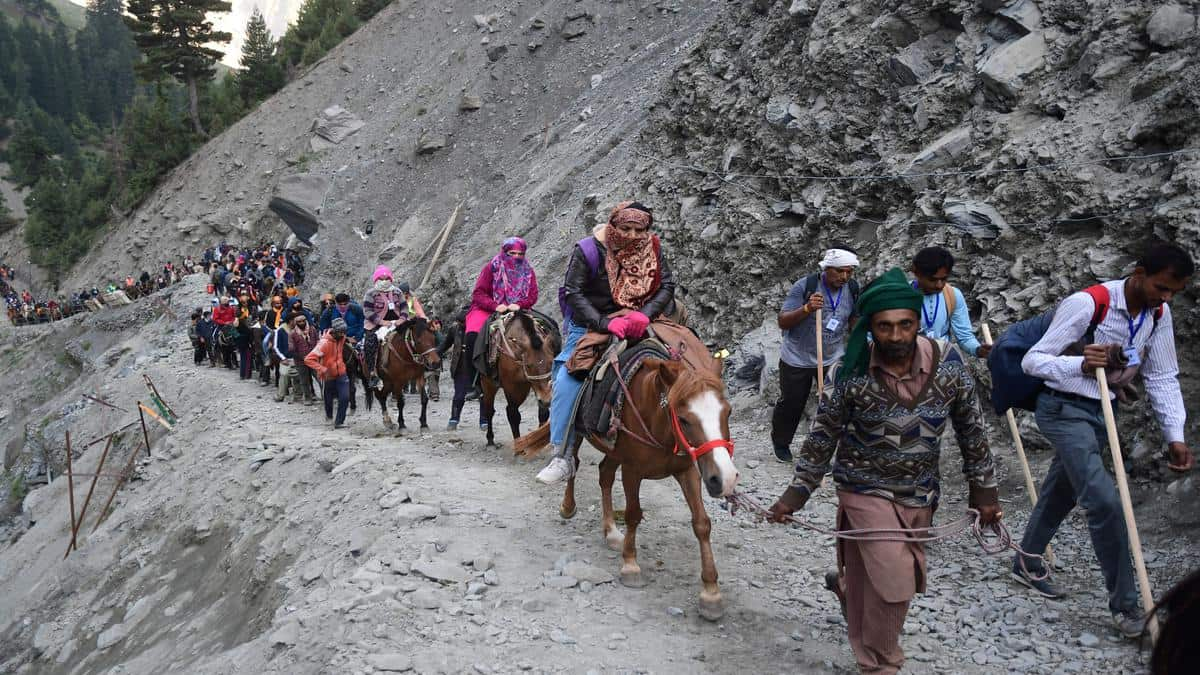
x: 416, y: 359
x: 917, y: 535
x: 682, y: 445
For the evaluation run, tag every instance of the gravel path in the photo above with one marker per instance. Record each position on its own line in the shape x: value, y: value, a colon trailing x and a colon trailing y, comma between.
x: 258, y: 539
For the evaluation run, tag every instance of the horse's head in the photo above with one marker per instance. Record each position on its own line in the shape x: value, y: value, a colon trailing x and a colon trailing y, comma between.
x: 421, y: 342
x: 700, y: 422
x: 534, y: 351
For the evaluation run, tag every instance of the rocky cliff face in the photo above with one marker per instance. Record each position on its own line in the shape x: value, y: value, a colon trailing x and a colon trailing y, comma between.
x: 992, y: 128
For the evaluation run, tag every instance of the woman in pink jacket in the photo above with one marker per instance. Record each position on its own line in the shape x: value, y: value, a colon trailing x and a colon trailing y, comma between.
x: 507, y: 283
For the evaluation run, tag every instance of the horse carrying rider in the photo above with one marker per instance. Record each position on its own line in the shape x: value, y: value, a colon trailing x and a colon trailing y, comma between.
x: 507, y: 283
x: 630, y: 277
x: 386, y: 305
x: 883, y: 420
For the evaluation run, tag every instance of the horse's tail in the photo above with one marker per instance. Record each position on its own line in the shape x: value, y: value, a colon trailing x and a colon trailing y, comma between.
x: 531, y: 443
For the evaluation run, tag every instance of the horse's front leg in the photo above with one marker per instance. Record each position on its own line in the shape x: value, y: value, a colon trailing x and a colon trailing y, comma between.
x: 487, y: 410
x: 608, y: 523
x: 543, y: 412
x: 567, y: 508
x: 381, y: 396
x: 631, y: 573
x: 711, y: 607
x: 399, y: 396
x: 513, y: 412
x: 424, y: 400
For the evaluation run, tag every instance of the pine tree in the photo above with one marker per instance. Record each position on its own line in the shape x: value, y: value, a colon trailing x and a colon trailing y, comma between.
x: 173, y: 36
x: 261, y: 73
x: 107, y: 55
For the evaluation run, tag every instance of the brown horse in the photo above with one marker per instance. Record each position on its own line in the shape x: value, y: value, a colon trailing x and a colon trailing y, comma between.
x: 525, y: 359
x: 675, y: 422
x: 411, y: 350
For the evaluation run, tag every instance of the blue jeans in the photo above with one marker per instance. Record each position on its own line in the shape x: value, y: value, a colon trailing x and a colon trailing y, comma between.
x: 340, y: 389
x: 1077, y: 476
x: 566, y: 388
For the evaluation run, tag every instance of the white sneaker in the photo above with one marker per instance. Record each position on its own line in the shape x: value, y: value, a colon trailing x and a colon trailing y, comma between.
x: 556, y: 471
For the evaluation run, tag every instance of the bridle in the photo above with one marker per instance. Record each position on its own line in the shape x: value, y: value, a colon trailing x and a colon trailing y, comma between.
x: 682, y: 445
x: 506, y: 347
x: 420, y: 359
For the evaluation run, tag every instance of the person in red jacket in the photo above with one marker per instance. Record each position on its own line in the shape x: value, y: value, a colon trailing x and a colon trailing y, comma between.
x: 224, y: 314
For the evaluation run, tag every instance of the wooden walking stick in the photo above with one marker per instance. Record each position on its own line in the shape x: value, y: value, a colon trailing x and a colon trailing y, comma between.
x: 820, y: 355
x: 1135, y: 541
x: 1030, y: 486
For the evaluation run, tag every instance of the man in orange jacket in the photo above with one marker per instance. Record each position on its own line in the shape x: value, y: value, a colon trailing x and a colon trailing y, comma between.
x: 326, y: 361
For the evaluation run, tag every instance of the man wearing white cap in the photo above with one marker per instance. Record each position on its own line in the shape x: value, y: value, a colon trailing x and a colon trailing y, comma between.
x: 836, y: 293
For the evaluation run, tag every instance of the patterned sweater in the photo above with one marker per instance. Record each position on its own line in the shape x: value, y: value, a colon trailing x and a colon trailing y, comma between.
x: 886, y: 449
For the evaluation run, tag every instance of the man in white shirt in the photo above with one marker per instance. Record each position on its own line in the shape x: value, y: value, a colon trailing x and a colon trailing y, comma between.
x: 1135, y: 335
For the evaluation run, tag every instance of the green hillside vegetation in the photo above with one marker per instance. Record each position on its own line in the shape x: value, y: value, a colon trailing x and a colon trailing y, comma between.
x: 94, y: 119
x: 45, y: 13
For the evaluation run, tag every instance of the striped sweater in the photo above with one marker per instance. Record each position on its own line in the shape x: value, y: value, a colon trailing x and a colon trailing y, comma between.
x: 887, y: 449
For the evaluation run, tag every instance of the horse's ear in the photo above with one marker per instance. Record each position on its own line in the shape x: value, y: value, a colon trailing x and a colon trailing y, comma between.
x: 668, y: 371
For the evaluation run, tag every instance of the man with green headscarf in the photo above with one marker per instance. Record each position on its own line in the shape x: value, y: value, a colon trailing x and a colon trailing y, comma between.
x: 884, y: 417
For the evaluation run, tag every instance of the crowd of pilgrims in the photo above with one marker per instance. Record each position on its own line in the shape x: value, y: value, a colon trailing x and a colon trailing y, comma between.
x: 24, y: 308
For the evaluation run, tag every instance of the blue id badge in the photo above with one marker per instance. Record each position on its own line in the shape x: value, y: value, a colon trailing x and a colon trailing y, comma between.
x: 1131, y: 357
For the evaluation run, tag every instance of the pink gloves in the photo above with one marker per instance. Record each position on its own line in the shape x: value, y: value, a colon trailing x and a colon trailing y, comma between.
x: 631, y: 325
x: 638, y: 323
x: 620, y: 327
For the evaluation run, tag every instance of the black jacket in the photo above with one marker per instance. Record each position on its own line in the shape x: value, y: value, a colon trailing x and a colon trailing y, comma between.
x: 452, y: 343
x: 590, y: 296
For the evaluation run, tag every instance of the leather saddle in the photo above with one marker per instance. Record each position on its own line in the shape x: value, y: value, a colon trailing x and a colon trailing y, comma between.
x: 602, y: 398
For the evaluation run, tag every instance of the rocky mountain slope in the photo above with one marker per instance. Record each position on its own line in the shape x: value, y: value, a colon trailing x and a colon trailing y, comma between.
x: 760, y: 132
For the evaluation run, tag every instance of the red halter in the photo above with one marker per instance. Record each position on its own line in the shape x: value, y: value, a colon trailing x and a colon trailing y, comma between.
x: 681, y: 441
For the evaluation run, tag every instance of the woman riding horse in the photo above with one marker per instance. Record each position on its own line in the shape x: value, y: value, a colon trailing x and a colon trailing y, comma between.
x: 385, y: 305
x: 507, y: 283
x: 630, y: 274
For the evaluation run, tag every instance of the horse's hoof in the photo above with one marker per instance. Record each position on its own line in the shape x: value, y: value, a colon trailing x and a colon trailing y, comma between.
x: 633, y: 579
x: 712, y: 609
x: 616, y: 540
x: 566, y: 515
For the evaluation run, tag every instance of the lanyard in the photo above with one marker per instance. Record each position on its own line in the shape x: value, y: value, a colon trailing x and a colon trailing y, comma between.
x: 926, y: 317
x: 1133, y: 330
x: 834, y: 302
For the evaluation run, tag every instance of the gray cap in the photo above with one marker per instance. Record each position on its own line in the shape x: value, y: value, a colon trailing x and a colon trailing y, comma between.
x: 404, y: 287
x: 338, y: 326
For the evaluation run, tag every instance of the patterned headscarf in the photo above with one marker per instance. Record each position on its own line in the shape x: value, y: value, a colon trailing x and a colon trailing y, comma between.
x: 890, y: 291
x: 512, y: 278
x: 632, y: 260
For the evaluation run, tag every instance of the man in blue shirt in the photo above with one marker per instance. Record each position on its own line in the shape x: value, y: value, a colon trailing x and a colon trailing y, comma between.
x: 944, y: 314
x: 351, y: 312
x: 833, y: 291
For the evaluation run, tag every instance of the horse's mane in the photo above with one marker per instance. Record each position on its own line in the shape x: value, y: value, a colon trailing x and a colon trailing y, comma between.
x: 692, y: 383
x: 535, y: 339
x: 415, y: 326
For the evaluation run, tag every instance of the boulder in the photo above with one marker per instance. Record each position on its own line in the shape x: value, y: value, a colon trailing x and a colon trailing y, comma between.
x: 470, y: 102
x: 1004, y: 70
x: 187, y: 226
x: 1170, y: 25
x: 429, y: 143
x: 407, y: 513
x: 336, y: 124
x: 442, y: 571
x: 946, y: 151
x: 976, y: 218
x: 111, y: 636
x: 777, y: 110
x: 390, y: 663
x: 298, y: 200
x: 800, y: 8
x: 910, y: 65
